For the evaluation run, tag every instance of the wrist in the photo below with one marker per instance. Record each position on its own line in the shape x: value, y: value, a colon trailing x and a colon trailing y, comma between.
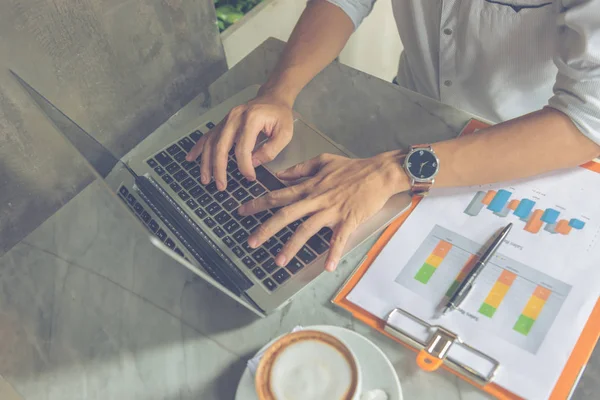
x: 393, y: 171
x: 279, y: 92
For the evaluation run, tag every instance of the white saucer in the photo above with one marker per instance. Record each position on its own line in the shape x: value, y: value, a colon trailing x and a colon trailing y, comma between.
x: 377, y: 370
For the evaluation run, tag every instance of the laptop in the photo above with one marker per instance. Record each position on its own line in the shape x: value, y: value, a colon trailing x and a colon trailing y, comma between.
x: 196, y: 224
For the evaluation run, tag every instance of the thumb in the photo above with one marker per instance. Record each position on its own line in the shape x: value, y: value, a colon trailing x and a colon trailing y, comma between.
x: 271, y: 148
x: 302, y: 170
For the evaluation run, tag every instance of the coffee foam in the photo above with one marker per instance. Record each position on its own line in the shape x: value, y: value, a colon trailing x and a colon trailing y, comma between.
x: 307, y: 365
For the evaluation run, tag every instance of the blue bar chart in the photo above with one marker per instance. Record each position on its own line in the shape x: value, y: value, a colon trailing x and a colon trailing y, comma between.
x: 501, y: 205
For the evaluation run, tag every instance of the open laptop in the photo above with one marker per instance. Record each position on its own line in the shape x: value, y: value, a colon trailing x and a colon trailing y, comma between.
x: 197, y: 225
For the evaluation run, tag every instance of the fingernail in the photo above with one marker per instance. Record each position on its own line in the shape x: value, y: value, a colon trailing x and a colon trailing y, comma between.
x: 281, y: 260
x: 252, y: 242
x: 241, y: 210
x: 188, y: 157
x: 221, y: 186
x: 204, y: 179
x: 330, y: 266
x: 255, y: 162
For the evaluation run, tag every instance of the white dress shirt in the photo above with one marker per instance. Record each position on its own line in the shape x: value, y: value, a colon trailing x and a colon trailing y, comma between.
x: 500, y: 59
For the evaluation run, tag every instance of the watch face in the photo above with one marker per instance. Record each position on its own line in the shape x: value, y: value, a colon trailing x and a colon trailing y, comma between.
x: 422, y: 164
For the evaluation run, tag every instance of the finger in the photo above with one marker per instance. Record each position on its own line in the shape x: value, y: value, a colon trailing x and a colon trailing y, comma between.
x: 245, y: 145
x: 220, y: 152
x: 304, y: 232
x: 206, y: 163
x: 195, y: 152
x: 280, y: 220
x: 278, y: 198
x: 268, y: 151
x: 338, y: 243
x: 298, y: 171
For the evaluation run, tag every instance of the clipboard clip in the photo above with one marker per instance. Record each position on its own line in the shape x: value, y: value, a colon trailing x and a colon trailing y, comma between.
x: 433, y: 352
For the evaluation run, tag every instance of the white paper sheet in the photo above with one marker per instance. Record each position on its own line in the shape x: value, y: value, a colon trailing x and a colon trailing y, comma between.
x: 531, y: 302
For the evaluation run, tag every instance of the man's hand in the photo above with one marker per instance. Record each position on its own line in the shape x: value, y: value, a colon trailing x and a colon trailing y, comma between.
x: 241, y: 127
x: 338, y: 192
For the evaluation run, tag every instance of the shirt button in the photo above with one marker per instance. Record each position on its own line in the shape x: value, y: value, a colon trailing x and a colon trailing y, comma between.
x: 448, y: 31
x: 448, y: 83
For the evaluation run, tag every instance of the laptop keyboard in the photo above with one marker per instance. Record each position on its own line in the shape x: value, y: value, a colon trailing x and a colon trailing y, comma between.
x: 218, y: 212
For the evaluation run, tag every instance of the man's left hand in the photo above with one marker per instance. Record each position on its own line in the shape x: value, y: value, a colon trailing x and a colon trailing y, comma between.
x: 336, y: 192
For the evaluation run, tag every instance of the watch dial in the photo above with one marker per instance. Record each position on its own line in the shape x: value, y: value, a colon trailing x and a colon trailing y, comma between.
x: 422, y: 164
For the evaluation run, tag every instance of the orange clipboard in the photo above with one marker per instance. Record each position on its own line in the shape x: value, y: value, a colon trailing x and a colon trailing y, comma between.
x: 426, y: 359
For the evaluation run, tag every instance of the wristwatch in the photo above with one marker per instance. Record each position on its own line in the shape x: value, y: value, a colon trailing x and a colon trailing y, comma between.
x: 421, y: 165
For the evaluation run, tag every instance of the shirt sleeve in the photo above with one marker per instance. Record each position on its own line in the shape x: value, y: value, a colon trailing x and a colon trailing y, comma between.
x: 577, y: 87
x: 357, y: 10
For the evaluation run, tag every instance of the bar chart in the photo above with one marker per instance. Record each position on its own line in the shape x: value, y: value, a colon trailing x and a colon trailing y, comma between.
x: 533, y: 218
x: 510, y: 300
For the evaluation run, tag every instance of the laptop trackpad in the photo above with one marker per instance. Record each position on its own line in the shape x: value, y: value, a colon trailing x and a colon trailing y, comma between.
x: 306, y: 144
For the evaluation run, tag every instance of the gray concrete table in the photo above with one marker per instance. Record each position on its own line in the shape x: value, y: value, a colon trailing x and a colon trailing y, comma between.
x: 89, y: 309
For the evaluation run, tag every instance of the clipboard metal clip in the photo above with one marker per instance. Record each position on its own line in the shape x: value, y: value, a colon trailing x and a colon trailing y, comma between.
x: 433, y: 352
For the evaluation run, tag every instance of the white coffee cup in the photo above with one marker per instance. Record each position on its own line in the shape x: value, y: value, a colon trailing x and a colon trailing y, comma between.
x: 308, y: 365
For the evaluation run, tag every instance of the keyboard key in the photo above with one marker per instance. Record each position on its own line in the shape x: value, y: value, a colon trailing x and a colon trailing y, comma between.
x: 200, y: 212
x: 294, y: 225
x: 265, y: 217
x: 195, y: 172
x: 230, y: 204
x: 328, y: 235
x: 268, y: 179
x: 222, y: 217
x: 173, y: 167
x: 248, y: 262
x: 169, y: 243
x: 269, y: 284
x: 261, y: 214
x: 162, y: 235
x: 153, y: 225
x: 159, y: 170
x: 179, y: 252
x: 152, y: 163
x: 213, y: 208
x: 219, y: 231
x: 204, y: 200
x: 260, y: 255
x: 306, y: 255
x: 138, y: 208
x: 187, y: 165
x: 167, y: 178
x: 294, y: 266
x: 188, y: 183
x: 179, y: 157
x: 282, y: 232
x: 186, y: 143
x: 145, y: 217
x: 276, y: 249
x: 257, y: 190
x: 228, y: 241
x: 221, y: 196
x: 209, y: 222
x: 240, y: 193
x: 249, y: 222
x: 284, y: 239
x: 210, y: 125
x: 231, y: 166
x: 247, y: 247
x: 173, y: 149
x: 232, y: 184
x: 183, y: 195
x: 130, y: 199
x: 192, y: 204
x: 269, y: 265
x: 197, y: 191
x: 180, y: 176
x: 235, y: 214
x: 240, y: 236
x: 212, y: 187
x: 195, y: 136
x: 238, y: 251
x: 259, y: 273
x: 163, y: 158
x: 317, y: 244
x: 123, y: 191
x: 237, y: 175
x: 231, y: 226
x: 246, y: 183
x: 270, y: 243
x: 281, y: 276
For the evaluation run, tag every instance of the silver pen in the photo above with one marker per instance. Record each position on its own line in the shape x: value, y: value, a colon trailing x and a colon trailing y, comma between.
x: 461, y: 292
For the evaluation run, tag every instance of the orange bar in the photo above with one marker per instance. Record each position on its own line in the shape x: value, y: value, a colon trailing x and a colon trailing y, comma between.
x: 487, y: 199
x: 467, y: 267
x: 535, y: 223
x: 507, y: 277
x: 563, y: 227
x: 542, y: 292
x: 442, y: 249
x: 513, y: 204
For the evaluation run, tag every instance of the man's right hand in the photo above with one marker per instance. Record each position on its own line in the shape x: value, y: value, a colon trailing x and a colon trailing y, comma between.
x: 266, y: 113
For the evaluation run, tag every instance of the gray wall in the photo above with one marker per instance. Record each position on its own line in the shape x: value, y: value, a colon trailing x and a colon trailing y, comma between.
x: 117, y: 67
